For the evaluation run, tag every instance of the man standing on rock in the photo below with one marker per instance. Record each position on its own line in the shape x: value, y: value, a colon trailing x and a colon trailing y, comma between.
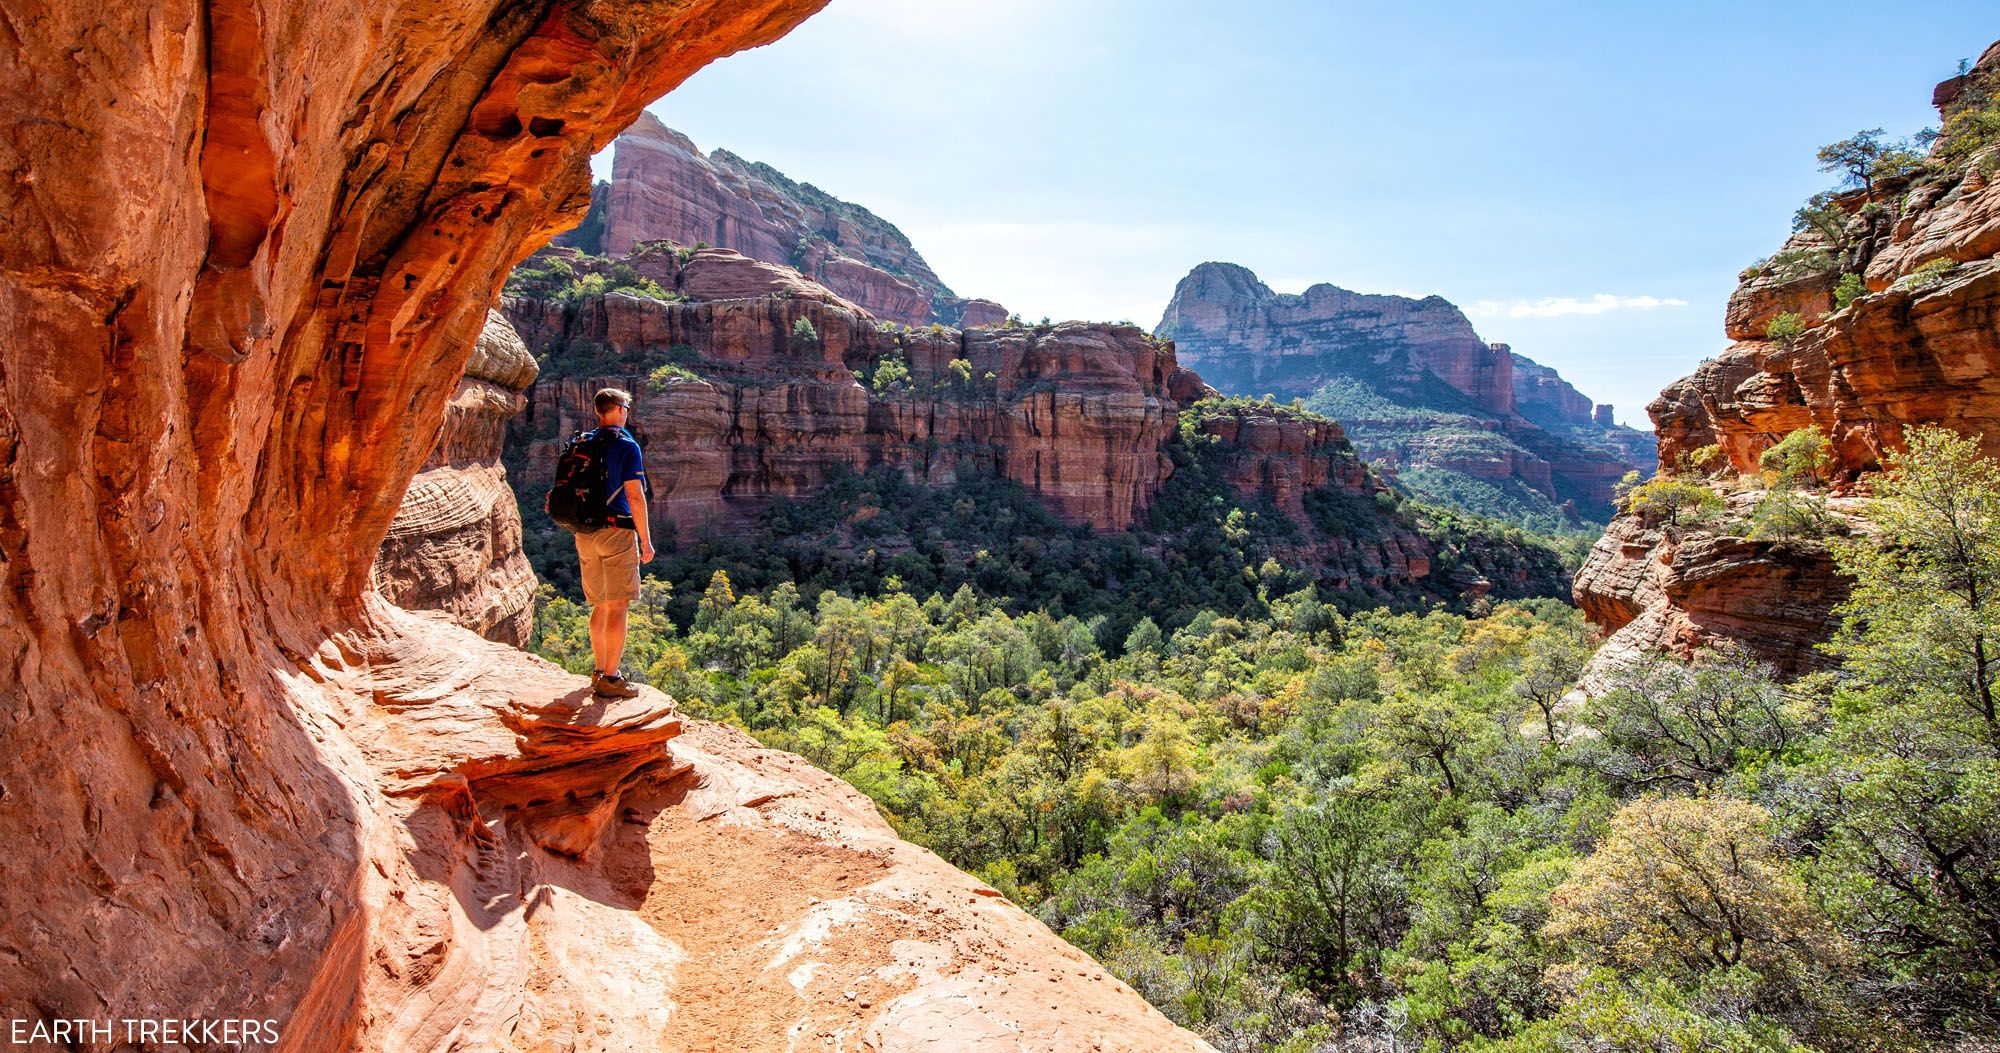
x: 610, y: 557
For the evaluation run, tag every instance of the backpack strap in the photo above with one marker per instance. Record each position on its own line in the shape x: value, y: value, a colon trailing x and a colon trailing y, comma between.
x: 607, y: 436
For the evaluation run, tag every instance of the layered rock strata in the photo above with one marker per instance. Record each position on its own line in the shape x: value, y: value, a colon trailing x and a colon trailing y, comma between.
x: 1916, y: 345
x: 1661, y: 590
x: 1911, y: 342
x: 663, y: 188
x: 751, y: 412
x: 245, y: 257
x: 455, y: 544
x: 1246, y: 339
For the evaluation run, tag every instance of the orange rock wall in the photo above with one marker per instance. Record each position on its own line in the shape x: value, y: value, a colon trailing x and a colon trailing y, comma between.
x: 455, y: 544
x: 1913, y: 349
x: 1077, y: 413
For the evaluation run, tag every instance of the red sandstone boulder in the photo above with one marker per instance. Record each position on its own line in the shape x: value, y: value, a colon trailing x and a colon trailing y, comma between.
x: 455, y: 544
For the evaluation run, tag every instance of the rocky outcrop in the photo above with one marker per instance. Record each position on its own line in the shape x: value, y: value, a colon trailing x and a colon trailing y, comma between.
x: 749, y: 411
x: 1247, y: 339
x: 1660, y: 590
x: 1412, y: 382
x: 455, y: 544
x: 1282, y: 456
x: 568, y: 881
x: 662, y: 188
x: 1544, y: 397
x: 1915, y: 343
x: 248, y: 249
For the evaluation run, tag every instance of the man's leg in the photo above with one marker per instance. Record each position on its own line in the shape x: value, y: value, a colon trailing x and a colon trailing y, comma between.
x: 597, y: 638
x: 614, y: 634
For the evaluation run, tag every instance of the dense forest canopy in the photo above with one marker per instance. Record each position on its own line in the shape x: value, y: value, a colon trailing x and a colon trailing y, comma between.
x: 1288, y: 824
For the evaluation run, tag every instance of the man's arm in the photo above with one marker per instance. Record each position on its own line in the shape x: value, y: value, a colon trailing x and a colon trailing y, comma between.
x: 635, y: 496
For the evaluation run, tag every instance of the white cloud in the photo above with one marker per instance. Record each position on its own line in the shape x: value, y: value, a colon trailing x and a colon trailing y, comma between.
x: 1560, y: 306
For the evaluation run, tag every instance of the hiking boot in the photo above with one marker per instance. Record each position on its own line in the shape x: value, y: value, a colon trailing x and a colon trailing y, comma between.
x: 611, y: 685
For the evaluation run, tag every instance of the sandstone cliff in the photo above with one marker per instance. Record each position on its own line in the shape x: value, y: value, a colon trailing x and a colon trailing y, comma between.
x: 455, y: 544
x: 751, y: 411
x: 245, y: 257
x: 1658, y: 590
x: 663, y: 188
x: 738, y: 412
x: 1911, y: 341
x: 1463, y: 421
x: 1248, y: 339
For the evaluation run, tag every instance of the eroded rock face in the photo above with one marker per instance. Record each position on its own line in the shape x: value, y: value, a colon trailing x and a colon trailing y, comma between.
x: 1243, y: 337
x: 1659, y: 590
x: 455, y: 544
x: 1916, y: 346
x: 1282, y: 457
x: 1077, y: 412
x: 662, y: 187
x: 245, y: 255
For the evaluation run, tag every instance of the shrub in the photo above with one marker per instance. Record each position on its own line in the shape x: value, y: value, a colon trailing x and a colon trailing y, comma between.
x: 803, y: 333
x: 1786, y: 328
x: 1675, y: 499
x: 1702, y: 460
x: 665, y: 376
x: 1850, y: 289
x: 1790, y: 515
x: 1799, y: 459
x: 1971, y: 121
x: 1687, y: 886
x: 891, y: 373
x: 1932, y: 274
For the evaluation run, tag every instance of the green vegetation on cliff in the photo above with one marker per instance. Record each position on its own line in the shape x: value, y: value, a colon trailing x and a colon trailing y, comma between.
x: 1201, y: 547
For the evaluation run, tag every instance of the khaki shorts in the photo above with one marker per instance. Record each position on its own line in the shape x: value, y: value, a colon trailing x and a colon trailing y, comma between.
x: 609, y: 558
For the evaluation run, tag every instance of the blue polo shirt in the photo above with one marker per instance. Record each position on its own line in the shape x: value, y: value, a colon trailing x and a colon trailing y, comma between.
x: 623, y: 462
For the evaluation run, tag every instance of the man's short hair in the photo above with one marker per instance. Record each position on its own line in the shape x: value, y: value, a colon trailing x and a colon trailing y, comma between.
x: 610, y: 397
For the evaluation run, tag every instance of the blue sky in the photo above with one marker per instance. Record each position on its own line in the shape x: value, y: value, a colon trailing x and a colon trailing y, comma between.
x: 1074, y: 158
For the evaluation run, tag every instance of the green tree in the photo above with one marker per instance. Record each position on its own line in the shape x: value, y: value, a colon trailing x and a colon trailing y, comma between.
x: 1801, y: 458
x: 1785, y: 328
x: 1688, y: 886
x: 1865, y: 157
x: 1674, y: 500
x: 1907, y: 792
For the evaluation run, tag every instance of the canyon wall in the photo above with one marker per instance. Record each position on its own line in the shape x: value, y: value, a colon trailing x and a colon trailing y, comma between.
x: 1414, y: 385
x: 737, y: 411
x: 753, y: 412
x: 1247, y: 339
x: 1915, y: 343
x: 455, y: 544
x: 662, y: 187
x: 245, y: 258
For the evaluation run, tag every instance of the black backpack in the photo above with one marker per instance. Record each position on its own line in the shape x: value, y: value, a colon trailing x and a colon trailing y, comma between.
x: 576, y: 502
